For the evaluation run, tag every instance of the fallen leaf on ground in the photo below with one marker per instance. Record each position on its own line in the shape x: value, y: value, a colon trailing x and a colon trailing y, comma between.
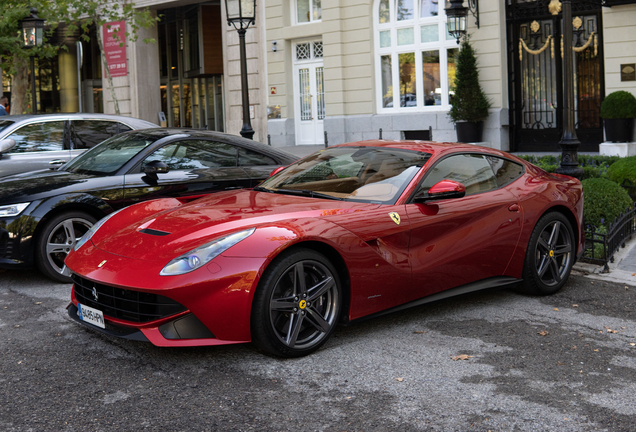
x: 560, y: 363
x: 633, y: 274
x: 399, y: 379
x: 543, y: 333
x: 595, y: 350
x: 626, y: 289
x: 419, y: 332
x: 633, y: 344
x: 575, y: 305
x: 462, y: 357
x: 556, y: 309
x: 609, y: 330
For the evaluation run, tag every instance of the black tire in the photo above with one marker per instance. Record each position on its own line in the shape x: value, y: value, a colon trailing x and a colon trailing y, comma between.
x: 550, y: 255
x: 282, y: 325
x: 57, y: 239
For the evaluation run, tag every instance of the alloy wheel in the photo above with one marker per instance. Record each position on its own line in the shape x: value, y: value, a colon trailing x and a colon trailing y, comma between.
x: 553, y: 253
x: 62, y: 239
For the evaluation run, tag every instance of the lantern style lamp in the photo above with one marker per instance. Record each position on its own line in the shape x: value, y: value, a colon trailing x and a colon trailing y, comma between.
x: 240, y: 14
x: 32, y: 30
x: 457, y: 15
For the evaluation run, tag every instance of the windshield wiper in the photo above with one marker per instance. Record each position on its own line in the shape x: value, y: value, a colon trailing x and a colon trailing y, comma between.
x: 306, y: 192
x: 262, y: 189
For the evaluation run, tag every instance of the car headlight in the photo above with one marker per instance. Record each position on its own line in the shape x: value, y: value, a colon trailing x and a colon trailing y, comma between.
x: 87, y: 236
x: 12, y: 209
x: 203, y: 254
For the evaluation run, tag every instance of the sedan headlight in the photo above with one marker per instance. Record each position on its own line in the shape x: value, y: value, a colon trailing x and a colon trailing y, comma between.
x: 87, y: 236
x: 12, y: 209
x: 204, y: 254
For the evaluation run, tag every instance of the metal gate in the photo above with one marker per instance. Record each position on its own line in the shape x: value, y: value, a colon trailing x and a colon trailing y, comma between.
x: 536, y: 78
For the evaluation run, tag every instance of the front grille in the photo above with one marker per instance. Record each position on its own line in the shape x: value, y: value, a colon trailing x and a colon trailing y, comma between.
x: 129, y: 305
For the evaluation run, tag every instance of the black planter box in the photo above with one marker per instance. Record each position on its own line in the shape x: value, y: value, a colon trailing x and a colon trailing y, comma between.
x: 619, y: 130
x: 469, y: 132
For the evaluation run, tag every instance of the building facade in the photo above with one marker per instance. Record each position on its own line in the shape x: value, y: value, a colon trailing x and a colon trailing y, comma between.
x: 360, y: 69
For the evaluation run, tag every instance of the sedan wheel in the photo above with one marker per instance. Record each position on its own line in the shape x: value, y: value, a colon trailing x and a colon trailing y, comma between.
x: 550, y: 255
x: 297, y: 304
x: 57, y: 239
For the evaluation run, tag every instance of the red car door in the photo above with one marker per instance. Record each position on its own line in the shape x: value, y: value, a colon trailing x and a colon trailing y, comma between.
x: 462, y: 240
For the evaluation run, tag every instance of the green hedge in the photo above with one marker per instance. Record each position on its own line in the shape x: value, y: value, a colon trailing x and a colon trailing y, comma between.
x: 623, y: 169
x: 604, y: 201
x: 593, y: 166
x: 618, y: 105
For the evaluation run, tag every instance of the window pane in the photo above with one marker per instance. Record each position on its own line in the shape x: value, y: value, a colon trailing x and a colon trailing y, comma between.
x: 317, y: 10
x: 405, y: 36
x: 252, y: 158
x: 430, y: 33
x: 302, y: 6
x: 87, y: 133
x: 385, y: 39
x: 38, y: 137
x: 195, y: 154
x: 428, y: 8
x: 505, y: 171
x: 387, y: 82
x: 385, y: 12
x: 473, y: 171
x: 405, y: 10
x: 432, y: 84
x: 408, y: 87
x: 452, y: 55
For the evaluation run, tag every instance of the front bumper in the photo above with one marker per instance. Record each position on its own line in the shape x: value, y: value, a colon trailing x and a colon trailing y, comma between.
x: 216, y: 299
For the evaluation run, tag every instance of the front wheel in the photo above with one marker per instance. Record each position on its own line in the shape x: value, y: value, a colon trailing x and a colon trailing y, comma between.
x: 296, y: 305
x: 57, y: 239
x: 550, y: 255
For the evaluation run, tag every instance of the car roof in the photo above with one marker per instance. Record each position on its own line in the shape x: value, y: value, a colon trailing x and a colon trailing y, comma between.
x: 79, y: 116
x: 158, y: 133
x: 432, y: 147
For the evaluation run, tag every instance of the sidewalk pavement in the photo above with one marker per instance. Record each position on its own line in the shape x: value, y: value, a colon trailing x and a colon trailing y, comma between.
x: 622, y: 270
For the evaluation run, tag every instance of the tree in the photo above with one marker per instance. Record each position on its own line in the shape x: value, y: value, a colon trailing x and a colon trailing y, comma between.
x: 15, y: 59
x: 469, y: 102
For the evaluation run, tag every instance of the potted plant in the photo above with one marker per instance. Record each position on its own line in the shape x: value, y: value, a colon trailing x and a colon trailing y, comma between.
x: 469, y: 105
x: 618, y: 111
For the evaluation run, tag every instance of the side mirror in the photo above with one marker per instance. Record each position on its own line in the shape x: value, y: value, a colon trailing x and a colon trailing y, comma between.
x: 6, y: 145
x: 445, y: 189
x: 276, y: 171
x: 156, y: 167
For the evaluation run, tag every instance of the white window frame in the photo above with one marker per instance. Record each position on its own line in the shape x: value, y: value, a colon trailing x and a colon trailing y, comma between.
x: 442, y: 45
x: 294, y: 9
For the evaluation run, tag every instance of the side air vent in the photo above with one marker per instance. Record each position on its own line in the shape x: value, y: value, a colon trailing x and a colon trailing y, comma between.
x: 154, y: 232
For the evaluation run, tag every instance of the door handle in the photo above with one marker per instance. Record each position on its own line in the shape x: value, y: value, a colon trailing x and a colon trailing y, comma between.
x: 514, y: 207
x: 311, y: 107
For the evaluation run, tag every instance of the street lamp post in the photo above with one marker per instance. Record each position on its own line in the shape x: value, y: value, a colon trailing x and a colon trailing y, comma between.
x: 240, y: 14
x: 569, y: 141
x: 32, y: 29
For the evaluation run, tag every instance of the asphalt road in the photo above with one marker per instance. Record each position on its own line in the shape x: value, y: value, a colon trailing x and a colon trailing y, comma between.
x: 561, y: 363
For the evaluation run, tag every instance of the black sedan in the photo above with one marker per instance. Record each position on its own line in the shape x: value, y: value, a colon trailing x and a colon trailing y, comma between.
x: 43, y: 213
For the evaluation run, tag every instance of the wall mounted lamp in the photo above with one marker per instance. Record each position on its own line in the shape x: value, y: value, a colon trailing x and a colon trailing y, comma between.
x: 274, y: 46
x: 457, y: 14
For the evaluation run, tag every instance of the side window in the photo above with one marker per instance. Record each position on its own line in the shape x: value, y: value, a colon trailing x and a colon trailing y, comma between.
x: 123, y: 128
x: 195, y: 154
x: 38, y: 137
x: 505, y: 170
x: 252, y: 158
x: 471, y: 170
x: 88, y: 133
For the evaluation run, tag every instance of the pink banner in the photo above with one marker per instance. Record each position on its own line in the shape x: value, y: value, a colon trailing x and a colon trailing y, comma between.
x: 115, y: 54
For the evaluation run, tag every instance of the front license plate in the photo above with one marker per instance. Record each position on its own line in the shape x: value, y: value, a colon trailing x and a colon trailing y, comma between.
x: 90, y: 315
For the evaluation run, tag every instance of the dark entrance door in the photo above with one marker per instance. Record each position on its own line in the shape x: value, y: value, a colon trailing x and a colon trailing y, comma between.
x: 536, y: 74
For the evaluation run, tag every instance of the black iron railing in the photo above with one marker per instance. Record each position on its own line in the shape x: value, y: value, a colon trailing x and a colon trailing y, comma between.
x: 602, y: 243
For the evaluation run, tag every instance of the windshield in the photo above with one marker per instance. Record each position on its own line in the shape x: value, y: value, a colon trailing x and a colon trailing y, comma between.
x: 369, y: 174
x: 5, y: 124
x: 108, y: 157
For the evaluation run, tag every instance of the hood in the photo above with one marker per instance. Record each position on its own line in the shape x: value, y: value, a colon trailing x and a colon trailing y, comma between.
x: 34, y: 185
x: 156, y: 230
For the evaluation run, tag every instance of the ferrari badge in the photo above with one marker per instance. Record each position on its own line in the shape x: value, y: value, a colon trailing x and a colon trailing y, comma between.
x: 302, y: 304
x: 395, y: 217
x: 101, y: 264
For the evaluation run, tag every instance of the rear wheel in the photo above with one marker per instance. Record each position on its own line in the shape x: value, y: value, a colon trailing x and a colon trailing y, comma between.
x: 296, y: 305
x: 57, y: 239
x: 550, y: 255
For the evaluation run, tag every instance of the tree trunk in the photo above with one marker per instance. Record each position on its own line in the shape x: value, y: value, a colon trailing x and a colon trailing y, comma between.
x: 100, y: 41
x: 20, y: 94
